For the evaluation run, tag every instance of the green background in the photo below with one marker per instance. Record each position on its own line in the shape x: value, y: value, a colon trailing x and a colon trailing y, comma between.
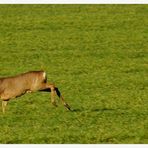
x: 98, y: 57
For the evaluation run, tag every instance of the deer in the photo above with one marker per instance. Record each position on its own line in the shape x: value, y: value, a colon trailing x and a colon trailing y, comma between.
x: 28, y: 82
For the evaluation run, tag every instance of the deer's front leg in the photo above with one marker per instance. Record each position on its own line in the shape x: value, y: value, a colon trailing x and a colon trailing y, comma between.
x: 49, y: 88
x: 53, y: 93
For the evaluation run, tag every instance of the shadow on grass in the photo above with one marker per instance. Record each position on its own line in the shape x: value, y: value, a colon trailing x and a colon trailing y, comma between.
x: 77, y: 110
x: 102, y: 109
x: 93, y: 110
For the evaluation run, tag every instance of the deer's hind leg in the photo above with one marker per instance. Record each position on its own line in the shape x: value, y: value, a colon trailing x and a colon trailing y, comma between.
x: 5, y: 98
x: 4, y: 104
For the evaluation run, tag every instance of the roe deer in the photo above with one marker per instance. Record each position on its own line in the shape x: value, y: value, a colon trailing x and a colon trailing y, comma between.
x: 12, y: 87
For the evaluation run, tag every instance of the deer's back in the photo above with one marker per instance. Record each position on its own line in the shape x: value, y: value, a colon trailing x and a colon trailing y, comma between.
x: 11, y: 87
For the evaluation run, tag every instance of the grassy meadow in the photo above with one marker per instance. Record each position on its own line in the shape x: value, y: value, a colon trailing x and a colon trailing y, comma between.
x: 98, y: 57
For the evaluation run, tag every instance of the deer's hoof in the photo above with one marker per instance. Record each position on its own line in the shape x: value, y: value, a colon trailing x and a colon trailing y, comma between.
x: 54, y: 103
x: 67, y: 106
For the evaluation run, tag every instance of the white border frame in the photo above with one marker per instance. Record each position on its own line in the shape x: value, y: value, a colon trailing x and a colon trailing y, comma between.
x: 73, y: 145
x: 73, y: 1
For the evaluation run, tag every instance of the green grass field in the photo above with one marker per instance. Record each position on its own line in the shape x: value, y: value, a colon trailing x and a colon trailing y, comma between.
x: 98, y: 57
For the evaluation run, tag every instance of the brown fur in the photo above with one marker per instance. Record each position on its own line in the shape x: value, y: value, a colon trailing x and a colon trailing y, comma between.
x: 12, y: 87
